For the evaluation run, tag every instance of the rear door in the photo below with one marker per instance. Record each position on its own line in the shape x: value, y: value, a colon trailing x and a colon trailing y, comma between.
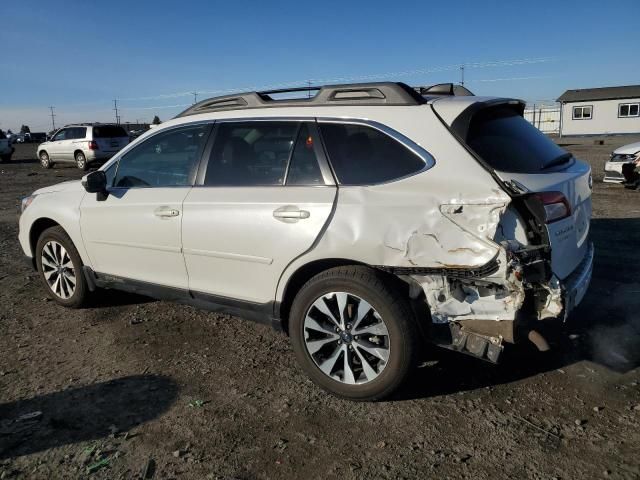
x: 519, y: 152
x: 110, y: 138
x: 262, y: 199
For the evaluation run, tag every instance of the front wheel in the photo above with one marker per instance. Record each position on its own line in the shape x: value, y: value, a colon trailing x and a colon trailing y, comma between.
x: 353, y: 333
x: 81, y: 161
x: 45, y: 161
x: 60, y: 268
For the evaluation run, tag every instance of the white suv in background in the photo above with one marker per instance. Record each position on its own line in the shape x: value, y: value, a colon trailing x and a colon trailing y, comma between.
x: 82, y: 144
x: 363, y: 221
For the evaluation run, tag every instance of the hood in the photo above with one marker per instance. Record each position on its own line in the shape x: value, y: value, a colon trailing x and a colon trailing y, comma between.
x: 61, y: 187
x: 628, y: 149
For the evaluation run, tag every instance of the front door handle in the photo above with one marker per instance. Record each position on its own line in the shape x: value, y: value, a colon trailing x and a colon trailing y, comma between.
x: 166, y: 212
x: 290, y: 213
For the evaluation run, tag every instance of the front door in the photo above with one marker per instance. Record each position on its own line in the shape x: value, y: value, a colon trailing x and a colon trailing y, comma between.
x: 136, y: 232
x: 262, y: 200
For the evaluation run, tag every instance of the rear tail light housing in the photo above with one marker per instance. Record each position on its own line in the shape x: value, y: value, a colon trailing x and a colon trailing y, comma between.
x: 93, y: 145
x: 556, y: 206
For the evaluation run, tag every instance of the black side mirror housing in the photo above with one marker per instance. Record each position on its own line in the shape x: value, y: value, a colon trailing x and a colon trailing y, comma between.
x: 95, y: 182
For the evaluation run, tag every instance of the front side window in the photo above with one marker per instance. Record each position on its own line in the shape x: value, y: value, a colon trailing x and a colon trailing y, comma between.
x: 362, y: 155
x: 167, y: 159
x: 628, y: 110
x: 61, y: 135
x: 583, y: 112
x: 251, y: 153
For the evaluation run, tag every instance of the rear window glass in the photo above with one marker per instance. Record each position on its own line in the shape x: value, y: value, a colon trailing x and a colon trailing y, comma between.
x: 508, y: 143
x: 109, y: 131
x: 361, y: 155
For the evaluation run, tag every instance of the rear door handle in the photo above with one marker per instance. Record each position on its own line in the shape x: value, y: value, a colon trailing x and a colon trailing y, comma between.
x: 166, y: 212
x: 290, y: 213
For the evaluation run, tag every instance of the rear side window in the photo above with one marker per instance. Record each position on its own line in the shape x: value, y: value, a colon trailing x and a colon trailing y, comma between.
x: 109, y: 131
x: 76, y: 133
x: 362, y: 155
x: 251, y: 153
x: 303, y: 167
x: 165, y: 160
x: 508, y: 143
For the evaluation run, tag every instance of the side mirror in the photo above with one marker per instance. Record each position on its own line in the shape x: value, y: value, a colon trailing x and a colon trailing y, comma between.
x: 95, y: 182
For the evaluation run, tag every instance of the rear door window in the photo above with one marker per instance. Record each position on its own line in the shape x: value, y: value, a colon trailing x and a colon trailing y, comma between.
x: 109, y: 131
x: 362, y: 155
x: 508, y: 143
x: 251, y: 153
x: 303, y: 167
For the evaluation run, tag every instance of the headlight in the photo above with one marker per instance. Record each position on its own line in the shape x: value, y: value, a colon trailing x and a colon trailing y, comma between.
x: 26, y: 201
x: 624, y: 157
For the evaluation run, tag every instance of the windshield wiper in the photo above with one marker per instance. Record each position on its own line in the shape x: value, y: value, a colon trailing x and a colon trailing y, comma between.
x: 564, y: 158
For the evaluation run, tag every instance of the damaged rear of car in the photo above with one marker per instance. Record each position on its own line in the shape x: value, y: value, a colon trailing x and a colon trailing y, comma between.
x: 543, y: 258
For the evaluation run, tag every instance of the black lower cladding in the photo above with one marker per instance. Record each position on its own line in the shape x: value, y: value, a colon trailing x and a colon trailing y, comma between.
x: 257, y: 312
x: 460, y: 272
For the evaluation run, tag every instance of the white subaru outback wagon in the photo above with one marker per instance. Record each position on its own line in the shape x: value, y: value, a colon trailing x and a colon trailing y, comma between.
x: 364, y: 221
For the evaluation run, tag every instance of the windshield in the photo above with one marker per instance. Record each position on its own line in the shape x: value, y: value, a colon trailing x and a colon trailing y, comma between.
x: 109, y: 131
x: 508, y: 143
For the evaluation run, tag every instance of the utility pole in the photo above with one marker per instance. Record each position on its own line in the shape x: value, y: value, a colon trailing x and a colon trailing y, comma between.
x: 53, y: 122
x: 195, y: 97
x: 462, y: 75
x: 309, y: 91
x: 115, y: 107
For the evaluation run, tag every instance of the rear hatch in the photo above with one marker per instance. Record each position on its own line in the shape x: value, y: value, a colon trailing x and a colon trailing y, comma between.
x: 520, y: 155
x: 110, y: 138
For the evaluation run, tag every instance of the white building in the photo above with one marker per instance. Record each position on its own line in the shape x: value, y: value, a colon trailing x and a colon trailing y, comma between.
x: 598, y: 111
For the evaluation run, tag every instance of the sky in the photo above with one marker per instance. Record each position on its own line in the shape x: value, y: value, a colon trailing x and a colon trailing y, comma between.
x: 78, y: 56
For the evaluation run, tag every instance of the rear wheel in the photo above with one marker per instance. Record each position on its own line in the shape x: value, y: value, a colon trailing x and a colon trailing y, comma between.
x: 60, y: 268
x: 5, y: 158
x: 45, y: 161
x: 81, y: 161
x: 353, y: 333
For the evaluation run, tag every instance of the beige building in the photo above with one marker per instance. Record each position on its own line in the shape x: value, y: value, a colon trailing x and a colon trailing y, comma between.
x: 598, y: 111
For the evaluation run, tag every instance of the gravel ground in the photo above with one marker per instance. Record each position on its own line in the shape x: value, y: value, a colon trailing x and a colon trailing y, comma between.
x: 134, y: 388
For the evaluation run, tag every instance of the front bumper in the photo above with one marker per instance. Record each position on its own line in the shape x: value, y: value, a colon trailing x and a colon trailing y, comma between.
x: 613, y: 172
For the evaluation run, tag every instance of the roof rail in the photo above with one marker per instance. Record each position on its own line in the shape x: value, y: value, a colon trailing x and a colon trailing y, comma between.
x: 376, y: 93
x: 444, y: 89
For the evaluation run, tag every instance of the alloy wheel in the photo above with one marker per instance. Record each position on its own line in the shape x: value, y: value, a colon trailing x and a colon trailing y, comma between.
x: 346, y: 338
x: 58, y: 270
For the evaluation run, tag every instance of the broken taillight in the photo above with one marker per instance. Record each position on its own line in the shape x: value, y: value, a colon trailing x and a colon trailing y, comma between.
x: 556, y: 206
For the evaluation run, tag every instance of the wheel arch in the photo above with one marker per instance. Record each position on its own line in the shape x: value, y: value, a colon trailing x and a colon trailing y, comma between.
x: 307, y: 271
x: 39, y: 226
x: 79, y: 150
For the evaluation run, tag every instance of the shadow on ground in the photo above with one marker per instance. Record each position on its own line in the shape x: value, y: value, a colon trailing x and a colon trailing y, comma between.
x: 80, y: 414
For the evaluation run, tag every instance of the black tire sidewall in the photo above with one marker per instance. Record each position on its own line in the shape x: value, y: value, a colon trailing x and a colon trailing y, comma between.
x: 59, y: 235
x: 396, y: 316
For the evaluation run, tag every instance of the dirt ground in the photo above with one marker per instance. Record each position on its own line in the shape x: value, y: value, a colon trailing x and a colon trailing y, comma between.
x: 134, y: 388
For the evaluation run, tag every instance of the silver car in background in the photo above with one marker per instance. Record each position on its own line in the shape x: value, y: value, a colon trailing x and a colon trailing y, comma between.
x: 83, y: 144
x: 613, y: 168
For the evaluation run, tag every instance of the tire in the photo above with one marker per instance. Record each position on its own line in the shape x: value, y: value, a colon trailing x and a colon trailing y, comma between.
x: 387, y: 311
x: 59, y: 266
x: 45, y: 161
x: 5, y: 158
x: 81, y: 161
